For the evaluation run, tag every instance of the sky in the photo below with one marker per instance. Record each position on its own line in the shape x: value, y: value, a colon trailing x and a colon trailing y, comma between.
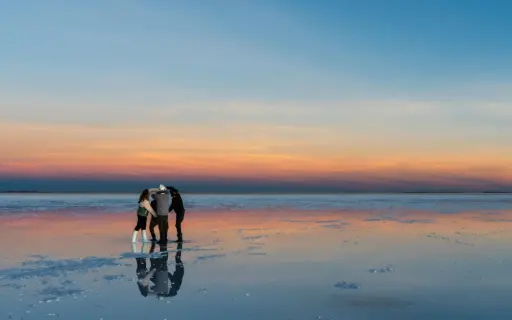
x: 363, y: 95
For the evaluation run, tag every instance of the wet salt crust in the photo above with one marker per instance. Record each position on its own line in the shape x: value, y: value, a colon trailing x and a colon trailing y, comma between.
x: 260, y: 257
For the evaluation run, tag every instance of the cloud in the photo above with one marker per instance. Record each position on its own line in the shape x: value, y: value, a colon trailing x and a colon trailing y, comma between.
x: 278, y: 138
x: 164, y: 104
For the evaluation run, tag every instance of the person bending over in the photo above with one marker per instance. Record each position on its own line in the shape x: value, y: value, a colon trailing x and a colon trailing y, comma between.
x: 179, y: 208
x: 163, y: 200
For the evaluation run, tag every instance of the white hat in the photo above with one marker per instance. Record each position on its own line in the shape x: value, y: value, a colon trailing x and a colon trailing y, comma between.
x: 162, y: 187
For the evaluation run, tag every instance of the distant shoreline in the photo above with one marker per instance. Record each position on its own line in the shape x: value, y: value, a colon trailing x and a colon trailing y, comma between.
x: 265, y: 193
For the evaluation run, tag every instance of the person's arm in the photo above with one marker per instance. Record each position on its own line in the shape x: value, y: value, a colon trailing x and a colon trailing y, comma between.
x: 172, y: 205
x: 145, y: 281
x: 148, y: 207
x: 182, y: 205
x: 153, y: 190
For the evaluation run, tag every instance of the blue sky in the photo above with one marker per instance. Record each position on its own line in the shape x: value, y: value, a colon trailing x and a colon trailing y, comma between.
x: 289, y: 76
x: 254, y: 49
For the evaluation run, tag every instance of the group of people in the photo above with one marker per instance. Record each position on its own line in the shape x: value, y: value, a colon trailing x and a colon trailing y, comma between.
x: 164, y: 200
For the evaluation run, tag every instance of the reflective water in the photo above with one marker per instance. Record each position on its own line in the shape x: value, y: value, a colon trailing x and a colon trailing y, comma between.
x: 261, y: 257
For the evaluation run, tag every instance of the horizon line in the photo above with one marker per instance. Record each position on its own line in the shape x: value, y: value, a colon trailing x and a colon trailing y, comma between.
x: 261, y: 192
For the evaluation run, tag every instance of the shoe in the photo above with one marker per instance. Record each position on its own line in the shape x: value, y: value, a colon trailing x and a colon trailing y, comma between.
x: 134, y: 236
x: 144, y: 236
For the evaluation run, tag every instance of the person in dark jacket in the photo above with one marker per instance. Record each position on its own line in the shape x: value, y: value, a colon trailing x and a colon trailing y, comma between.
x: 179, y: 208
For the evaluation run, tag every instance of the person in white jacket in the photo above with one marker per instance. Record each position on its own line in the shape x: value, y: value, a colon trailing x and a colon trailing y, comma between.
x: 142, y: 215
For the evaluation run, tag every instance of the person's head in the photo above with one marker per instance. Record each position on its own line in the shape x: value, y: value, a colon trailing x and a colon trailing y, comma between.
x: 174, y: 191
x: 144, y: 195
x: 144, y: 290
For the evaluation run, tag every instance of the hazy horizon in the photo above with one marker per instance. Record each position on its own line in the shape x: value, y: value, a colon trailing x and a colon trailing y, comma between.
x: 223, y: 186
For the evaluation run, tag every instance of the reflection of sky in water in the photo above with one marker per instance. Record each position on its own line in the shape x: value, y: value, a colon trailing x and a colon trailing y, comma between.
x: 33, y: 203
x: 262, y: 264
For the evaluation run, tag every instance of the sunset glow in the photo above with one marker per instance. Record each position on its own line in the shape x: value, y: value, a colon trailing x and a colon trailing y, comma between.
x: 62, y: 150
x: 191, y: 94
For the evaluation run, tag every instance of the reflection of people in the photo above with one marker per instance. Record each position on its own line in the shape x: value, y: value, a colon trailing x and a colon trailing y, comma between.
x: 163, y: 200
x: 179, y: 208
x: 157, y: 264
x: 177, y: 277
x: 142, y: 214
x: 159, y: 277
x: 159, y: 274
x: 142, y: 272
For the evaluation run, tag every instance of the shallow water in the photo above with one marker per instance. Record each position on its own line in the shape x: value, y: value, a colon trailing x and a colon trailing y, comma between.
x: 114, y: 203
x: 260, y: 257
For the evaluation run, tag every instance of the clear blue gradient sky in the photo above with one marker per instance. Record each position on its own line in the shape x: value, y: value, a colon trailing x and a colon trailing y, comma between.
x: 371, y: 90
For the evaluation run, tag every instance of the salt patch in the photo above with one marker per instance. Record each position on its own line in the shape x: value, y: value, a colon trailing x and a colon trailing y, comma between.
x: 115, y: 277
x: 386, y: 269
x: 209, y: 257
x: 347, y: 285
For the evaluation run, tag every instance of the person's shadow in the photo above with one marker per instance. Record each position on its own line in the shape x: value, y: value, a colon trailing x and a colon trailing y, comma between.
x: 159, y: 275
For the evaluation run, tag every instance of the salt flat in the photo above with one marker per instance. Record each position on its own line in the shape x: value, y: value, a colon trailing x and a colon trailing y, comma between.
x: 260, y: 257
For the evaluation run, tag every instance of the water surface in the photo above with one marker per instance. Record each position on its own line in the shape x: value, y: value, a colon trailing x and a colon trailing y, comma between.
x: 260, y: 257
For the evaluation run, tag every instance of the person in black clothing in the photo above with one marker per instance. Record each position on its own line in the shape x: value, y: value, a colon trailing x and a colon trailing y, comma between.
x: 179, y: 208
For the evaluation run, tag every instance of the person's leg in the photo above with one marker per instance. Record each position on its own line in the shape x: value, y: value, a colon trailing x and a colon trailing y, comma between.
x: 166, y: 228
x: 178, y: 227
x: 137, y: 228
x: 144, y: 223
x: 152, y: 225
x: 141, y: 266
x: 179, y: 220
x: 162, y: 229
